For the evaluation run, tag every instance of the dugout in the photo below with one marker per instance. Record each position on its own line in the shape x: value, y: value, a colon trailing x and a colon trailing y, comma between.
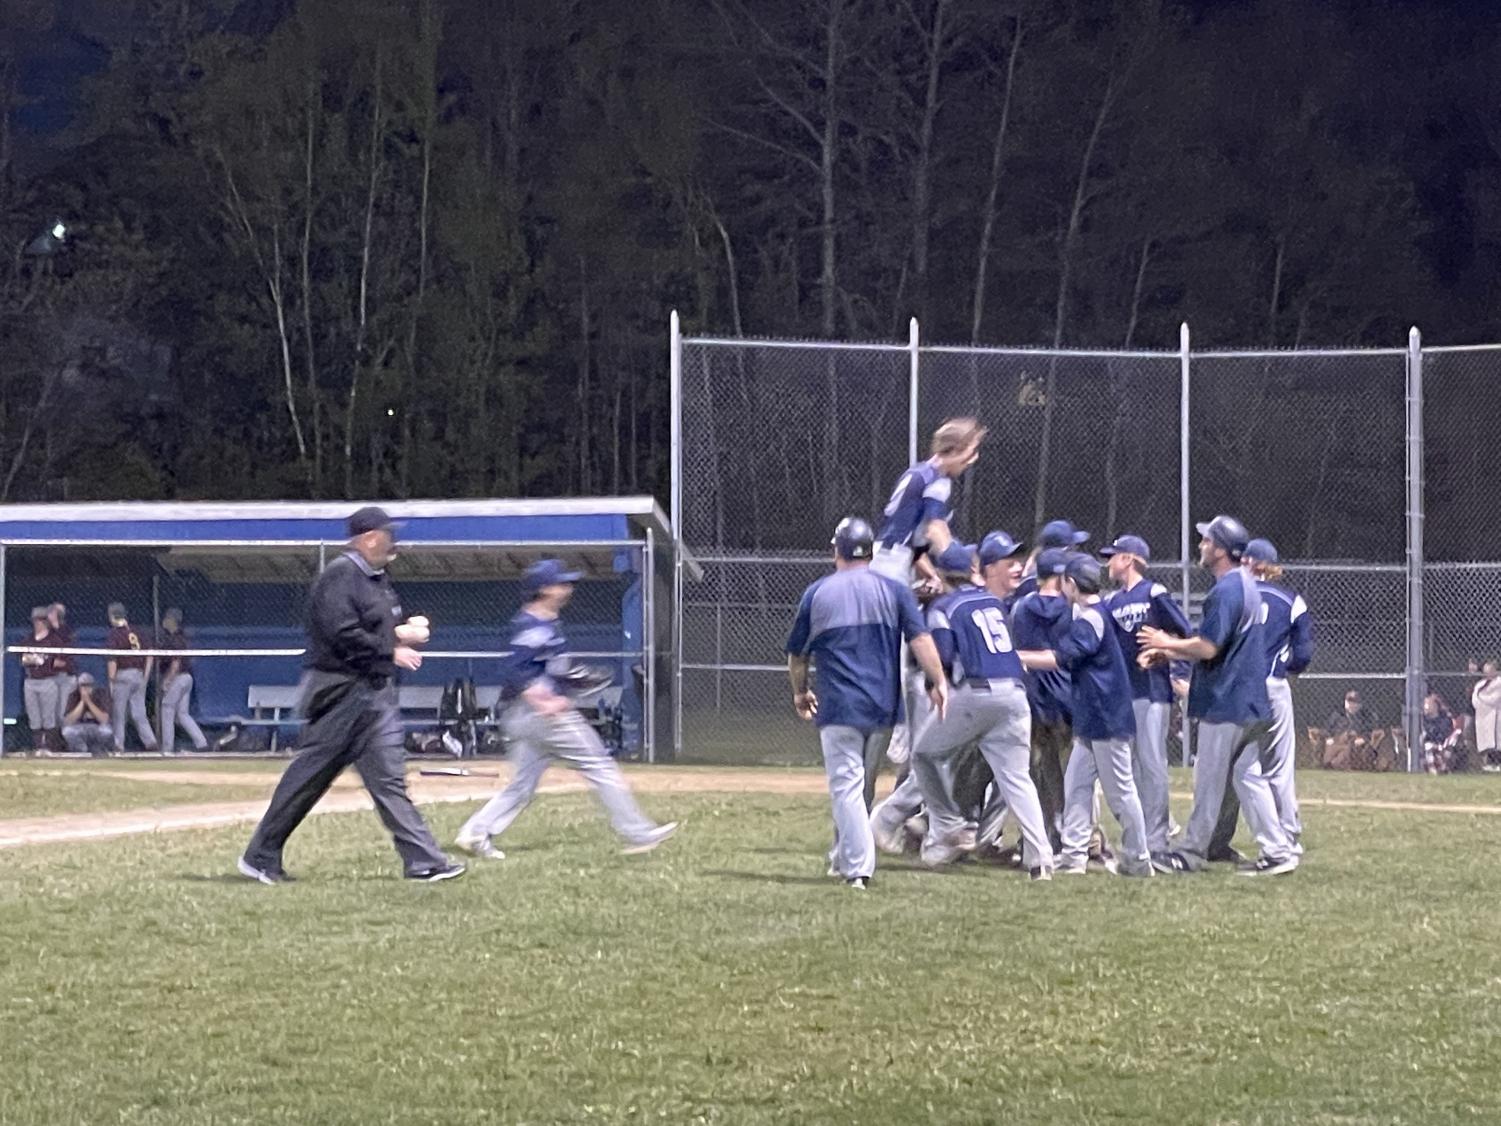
x: 239, y: 572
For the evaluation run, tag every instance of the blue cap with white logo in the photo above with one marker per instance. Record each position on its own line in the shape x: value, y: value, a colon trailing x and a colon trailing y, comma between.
x: 997, y: 546
x: 545, y: 573
x: 956, y: 559
x: 1128, y: 545
x: 1060, y: 533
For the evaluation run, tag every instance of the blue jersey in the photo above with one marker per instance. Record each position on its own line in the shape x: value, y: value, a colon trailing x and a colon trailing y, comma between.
x: 1146, y: 604
x: 1091, y: 654
x: 1041, y: 621
x: 538, y: 651
x: 921, y: 494
x: 1288, y: 628
x: 852, y: 624
x: 1231, y: 688
x: 973, y: 636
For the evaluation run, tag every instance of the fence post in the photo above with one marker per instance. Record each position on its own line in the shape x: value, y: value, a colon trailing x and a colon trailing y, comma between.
x: 649, y: 645
x: 2, y: 650
x: 675, y: 379
x: 913, y: 361
x: 1416, y: 670
x: 1184, y: 515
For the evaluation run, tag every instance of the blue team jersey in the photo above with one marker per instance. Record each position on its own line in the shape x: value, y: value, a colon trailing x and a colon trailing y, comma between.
x: 973, y: 636
x: 852, y: 624
x: 1232, y: 687
x: 1091, y: 654
x: 921, y: 494
x: 1146, y: 604
x: 538, y: 650
x: 1041, y: 621
x: 1288, y: 628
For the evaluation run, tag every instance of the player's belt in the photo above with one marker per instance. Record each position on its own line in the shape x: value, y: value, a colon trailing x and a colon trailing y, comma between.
x: 999, y: 684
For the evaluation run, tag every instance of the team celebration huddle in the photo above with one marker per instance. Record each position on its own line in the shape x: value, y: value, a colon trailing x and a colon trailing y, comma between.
x: 1021, y: 659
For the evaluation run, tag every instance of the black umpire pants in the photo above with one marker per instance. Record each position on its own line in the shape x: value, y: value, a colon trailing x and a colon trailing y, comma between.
x: 363, y: 727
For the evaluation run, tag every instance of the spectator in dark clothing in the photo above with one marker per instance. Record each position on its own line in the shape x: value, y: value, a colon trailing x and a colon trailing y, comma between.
x: 1353, y: 719
x: 1441, y: 737
x: 86, y: 721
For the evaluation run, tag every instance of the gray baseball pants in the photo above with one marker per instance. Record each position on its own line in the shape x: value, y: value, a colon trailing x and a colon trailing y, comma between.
x: 1109, y: 762
x: 1227, y: 773
x: 539, y: 741
x: 362, y: 728
x: 67, y: 684
x: 173, y: 713
x: 1149, y: 768
x: 1277, y: 763
x: 88, y: 739
x: 42, y: 707
x: 1000, y: 721
x: 127, y: 693
x: 850, y: 758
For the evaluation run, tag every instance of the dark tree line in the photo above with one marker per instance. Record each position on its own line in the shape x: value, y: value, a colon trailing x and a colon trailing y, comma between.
x: 427, y: 248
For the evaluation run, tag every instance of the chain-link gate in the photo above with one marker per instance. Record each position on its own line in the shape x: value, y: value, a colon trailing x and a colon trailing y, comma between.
x: 1317, y: 451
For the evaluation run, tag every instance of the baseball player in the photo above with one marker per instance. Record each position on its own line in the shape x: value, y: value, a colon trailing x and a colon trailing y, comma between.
x: 853, y: 621
x: 1103, y: 724
x: 988, y: 707
x: 1227, y: 695
x: 1041, y: 620
x: 1139, y: 602
x: 177, y: 687
x: 545, y: 726
x: 128, y: 674
x: 1057, y: 535
x: 1289, y: 642
x: 915, y: 533
x: 40, y: 688
x: 65, y: 664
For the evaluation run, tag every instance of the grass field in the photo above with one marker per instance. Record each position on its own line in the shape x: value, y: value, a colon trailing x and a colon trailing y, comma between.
x: 723, y: 979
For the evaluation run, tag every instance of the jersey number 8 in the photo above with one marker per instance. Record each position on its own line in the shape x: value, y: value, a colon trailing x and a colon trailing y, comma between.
x: 992, y: 626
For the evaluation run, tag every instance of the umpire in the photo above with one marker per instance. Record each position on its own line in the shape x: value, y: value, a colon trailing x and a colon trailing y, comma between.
x: 357, y: 640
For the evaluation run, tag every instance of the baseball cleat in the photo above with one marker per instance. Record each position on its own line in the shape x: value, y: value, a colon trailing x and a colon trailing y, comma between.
x: 651, y: 840
x: 479, y: 846
x: 1227, y: 855
x: 437, y: 874
x: 856, y: 883
x: 1065, y: 869
x: 1266, y: 866
x: 1040, y: 875
x: 260, y: 875
x: 1170, y: 863
x: 899, y: 749
x: 892, y: 841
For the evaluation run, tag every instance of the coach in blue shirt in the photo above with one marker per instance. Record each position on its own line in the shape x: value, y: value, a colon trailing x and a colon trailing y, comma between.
x: 853, y: 622
x: 1227, y: 695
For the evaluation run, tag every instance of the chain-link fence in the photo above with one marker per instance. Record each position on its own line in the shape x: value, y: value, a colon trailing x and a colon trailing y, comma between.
x: 1323, y: 452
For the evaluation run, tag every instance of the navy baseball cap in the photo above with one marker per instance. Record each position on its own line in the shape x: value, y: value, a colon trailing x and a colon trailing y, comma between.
x: 956, y: 559
x: 1228, y: 532
x: 115, y: 610
x: 1263, y: 551
x: 371, y: 518
x: 545, y: 573
x: 1084, y: 573
x: 853, y: 539
x: 1052, y: 561
x: 997, y: 546
x: 1060, y: 533
x: 1127, y: 545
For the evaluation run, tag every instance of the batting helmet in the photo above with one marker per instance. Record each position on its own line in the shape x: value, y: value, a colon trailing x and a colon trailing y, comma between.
x: 853, y: 539
x: 1229, y: 533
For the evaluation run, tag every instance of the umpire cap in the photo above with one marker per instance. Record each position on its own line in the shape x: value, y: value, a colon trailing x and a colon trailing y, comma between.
x: 1229, y: 533
x: 853, y: 539
x: 1262, y: 551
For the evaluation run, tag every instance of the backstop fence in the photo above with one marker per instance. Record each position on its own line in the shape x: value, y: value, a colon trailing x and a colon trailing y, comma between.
x: 1367, y: 468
